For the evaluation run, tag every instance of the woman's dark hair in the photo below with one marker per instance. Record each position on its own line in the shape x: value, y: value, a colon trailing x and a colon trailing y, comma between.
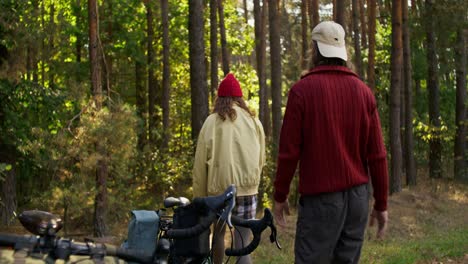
x: 223, y: 107
x: 318, y: 59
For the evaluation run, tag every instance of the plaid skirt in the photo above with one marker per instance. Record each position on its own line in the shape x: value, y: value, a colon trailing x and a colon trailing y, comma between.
x: 246, y: 206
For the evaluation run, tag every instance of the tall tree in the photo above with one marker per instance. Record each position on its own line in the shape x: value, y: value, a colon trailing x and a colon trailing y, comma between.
x: 79, y: 20
x: 222, y: 31
x: 304, y: 30
x: 460, y: 137
x: 214, y: 47
x: 260, y: 50
x: 372, y: 8
x: 51, y: 50
x: 315, y: 12
x: 340, y: 10
x: 152, y: 85
x: 198, y: 82
x: 100, y: 204
x: 166, y: 71
x: 407, y: 77
x: 246, y: 11
x: 140, y: 94
x: 395, y: 88
x: 362, y: 15
x: 435, y: 147
x: 357, y: 40
x: 275, y: 64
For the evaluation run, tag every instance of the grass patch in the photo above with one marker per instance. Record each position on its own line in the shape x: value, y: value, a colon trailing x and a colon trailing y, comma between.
x: 440, y: 246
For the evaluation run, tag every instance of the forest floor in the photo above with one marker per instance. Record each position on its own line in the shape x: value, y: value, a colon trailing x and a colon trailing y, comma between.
x: 427, y: 224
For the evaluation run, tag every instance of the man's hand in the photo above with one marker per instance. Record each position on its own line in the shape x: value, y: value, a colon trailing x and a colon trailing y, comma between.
x: 279, y: 209
x: 382, y: 220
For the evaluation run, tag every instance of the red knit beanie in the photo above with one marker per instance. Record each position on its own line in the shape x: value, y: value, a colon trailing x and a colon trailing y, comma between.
x: 229, y: 86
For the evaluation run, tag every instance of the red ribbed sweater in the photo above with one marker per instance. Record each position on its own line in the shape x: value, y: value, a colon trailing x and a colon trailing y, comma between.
x: 331, y: 125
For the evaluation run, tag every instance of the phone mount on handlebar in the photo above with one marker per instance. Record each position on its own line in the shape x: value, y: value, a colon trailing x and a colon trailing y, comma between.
x: 40, y: 223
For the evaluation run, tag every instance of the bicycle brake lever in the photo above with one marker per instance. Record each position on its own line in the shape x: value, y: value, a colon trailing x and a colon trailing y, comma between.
x: 273, y: 236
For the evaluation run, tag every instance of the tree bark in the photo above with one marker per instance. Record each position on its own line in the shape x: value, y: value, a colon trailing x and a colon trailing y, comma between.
x: 214, y: 47
x: 166, y: 82
x: 197, y: 66
x: 79, y: 20
x: 141, y: 103
x: 407, y: 69
x: 304, y: 28
x: 315, y: 12
x: 372, y: 8
x: 435, y: 163
x: 222, y: 31
x: 152, y: 86
x: 100, y: 203
x: 340, y: 12
x: 396, y: 70
x: 357, y: 43
x: 275, y: 64
x: 51, y: 45
x: 8, y: 199
x: 260, y: 44
x: 460, y: 137
x: 362, y: 15
x: 246, y: 11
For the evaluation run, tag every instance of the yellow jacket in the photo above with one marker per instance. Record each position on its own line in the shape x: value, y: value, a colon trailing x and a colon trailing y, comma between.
x: 229, y: 152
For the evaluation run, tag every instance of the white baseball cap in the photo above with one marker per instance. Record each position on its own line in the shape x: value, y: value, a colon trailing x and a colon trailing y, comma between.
x: 330, y: 37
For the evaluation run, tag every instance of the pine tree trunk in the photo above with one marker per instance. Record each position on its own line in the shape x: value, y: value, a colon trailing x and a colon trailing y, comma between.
x: 100, y: 203
x: 372, y: 8
x: 79, y: 20
x: 51, y: 45
x: 362, y: 15
x: 435, y: 163
x: 246, y: 11
x: 166, y: 82
x: 407, y: 70
x: 141, y: 103
x: 460, y: 137
x: 198, y: 84
x: 395, y: 88
x: 152, y: 86
x: 222, y: 31
x: 214, y: 47
x: 340, y: 10
x: 304, y: 29
x: 315, y: 12
x: 260, y: 44
x: 275, y: 64
x: 356, y: 38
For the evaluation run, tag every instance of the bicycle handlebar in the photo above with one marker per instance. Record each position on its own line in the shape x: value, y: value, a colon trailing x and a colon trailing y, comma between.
x: 257, y: 227
x: 62, y: 248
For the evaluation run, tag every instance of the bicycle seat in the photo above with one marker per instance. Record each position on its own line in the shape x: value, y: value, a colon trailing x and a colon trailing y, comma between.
x: 172, y: 201
x: 225, y: 201
x: 40, y: 223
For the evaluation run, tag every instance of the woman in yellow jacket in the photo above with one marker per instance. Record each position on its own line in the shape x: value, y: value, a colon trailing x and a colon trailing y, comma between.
x: 230, y: 150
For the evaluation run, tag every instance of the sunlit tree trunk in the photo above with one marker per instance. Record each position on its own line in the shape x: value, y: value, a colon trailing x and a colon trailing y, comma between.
x: 435, y: 166
x: 198, y: 84
x: 213, y: 47
x: 275, y: 64
x: 166, y: 82
x: 100, y: 204
x: 372, y: 31
x: 460, y: 137
x: 410, y: 165
x: 222, y: 31
x: 395, y: 88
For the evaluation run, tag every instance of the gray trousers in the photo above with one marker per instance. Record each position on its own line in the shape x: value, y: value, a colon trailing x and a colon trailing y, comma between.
x: 330, y: 226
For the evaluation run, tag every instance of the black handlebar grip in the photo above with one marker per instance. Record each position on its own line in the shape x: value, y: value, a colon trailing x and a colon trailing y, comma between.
x: 191, y: 231
x: 128, y: 254
x: 245, y: 250
x: 9, y: 240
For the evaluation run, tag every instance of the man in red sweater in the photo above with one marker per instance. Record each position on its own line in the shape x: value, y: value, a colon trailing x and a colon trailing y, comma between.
x: 332, y: 127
